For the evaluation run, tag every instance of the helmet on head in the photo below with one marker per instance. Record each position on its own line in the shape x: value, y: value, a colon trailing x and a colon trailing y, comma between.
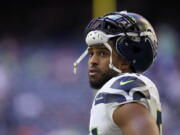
x: 135, y: 38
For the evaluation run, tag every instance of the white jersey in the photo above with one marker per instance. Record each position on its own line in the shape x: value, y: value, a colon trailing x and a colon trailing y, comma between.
x: 119, y: 90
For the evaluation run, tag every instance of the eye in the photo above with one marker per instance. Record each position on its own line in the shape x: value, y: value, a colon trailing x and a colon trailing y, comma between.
x: 90, y: 54
x: 103, y: 53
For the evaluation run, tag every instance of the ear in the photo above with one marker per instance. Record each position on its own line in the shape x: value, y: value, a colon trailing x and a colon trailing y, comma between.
x: 124, y: 65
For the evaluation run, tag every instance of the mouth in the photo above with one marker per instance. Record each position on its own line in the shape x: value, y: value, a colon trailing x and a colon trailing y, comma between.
x: 93, y: 72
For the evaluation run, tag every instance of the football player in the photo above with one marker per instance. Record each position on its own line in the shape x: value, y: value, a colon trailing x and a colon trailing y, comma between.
x: 121, y: 47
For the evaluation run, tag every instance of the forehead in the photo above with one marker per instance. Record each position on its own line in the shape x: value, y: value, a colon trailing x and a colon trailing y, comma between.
x: 97, y: 47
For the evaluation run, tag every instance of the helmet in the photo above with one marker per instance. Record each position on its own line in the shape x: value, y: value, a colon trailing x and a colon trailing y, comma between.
x: 135, y: 38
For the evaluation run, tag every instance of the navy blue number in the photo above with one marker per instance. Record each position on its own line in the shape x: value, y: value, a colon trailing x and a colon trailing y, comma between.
x: 94, y: 131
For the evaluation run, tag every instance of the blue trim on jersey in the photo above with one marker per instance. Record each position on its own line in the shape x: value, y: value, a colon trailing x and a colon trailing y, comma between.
x: 109, y: 98
x: 127, y: 83
x: 138, y: 95
x: 159, y: 119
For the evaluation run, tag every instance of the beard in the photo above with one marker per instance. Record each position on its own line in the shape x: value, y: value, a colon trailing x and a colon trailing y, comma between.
x: 98, y: 82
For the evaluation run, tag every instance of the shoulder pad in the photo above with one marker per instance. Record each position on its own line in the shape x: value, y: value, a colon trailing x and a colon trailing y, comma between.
x: 127, y: 83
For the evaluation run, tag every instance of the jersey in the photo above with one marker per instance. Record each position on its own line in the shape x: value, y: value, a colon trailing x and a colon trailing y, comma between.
x: 119, y: 90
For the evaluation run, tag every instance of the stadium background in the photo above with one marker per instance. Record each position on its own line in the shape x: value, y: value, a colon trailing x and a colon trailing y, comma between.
x: 39, y: 41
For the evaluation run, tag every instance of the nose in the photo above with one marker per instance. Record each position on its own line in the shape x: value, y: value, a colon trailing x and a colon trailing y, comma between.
x: 93, y: 60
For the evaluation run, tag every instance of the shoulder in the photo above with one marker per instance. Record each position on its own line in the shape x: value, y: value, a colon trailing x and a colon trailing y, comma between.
x: 128, y: 81
x: 128, y: 87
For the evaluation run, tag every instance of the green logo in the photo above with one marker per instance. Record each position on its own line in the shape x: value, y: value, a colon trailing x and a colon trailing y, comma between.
x: 124, y: 83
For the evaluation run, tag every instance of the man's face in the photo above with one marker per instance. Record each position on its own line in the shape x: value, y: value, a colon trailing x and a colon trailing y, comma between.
x: 98, y: 65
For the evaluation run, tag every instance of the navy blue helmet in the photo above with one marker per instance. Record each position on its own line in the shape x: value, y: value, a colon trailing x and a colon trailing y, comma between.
x: 135, y: 37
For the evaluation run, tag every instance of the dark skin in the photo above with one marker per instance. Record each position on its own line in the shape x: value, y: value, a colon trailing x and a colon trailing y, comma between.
x: 140, y: 122
x: 98, y: 65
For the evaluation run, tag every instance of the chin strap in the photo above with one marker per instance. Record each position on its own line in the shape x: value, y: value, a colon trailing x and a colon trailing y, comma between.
x: 111, y: 66
x: 76, y: 63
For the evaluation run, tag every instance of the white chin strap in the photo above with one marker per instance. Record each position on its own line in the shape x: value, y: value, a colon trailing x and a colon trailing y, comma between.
x: 76, y: 63
x: 111, y: 66
x: 94, y: 38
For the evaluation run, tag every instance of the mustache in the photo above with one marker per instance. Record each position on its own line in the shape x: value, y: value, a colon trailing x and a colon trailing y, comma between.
x: 94, y: 69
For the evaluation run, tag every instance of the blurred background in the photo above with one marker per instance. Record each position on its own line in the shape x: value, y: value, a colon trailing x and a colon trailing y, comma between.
x: 40, y: 40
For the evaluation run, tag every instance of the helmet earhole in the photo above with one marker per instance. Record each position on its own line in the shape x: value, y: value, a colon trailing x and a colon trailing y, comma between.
x: 136, y: 49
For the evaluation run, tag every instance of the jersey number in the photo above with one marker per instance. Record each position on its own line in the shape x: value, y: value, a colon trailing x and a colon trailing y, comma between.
x: 94, y: 131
